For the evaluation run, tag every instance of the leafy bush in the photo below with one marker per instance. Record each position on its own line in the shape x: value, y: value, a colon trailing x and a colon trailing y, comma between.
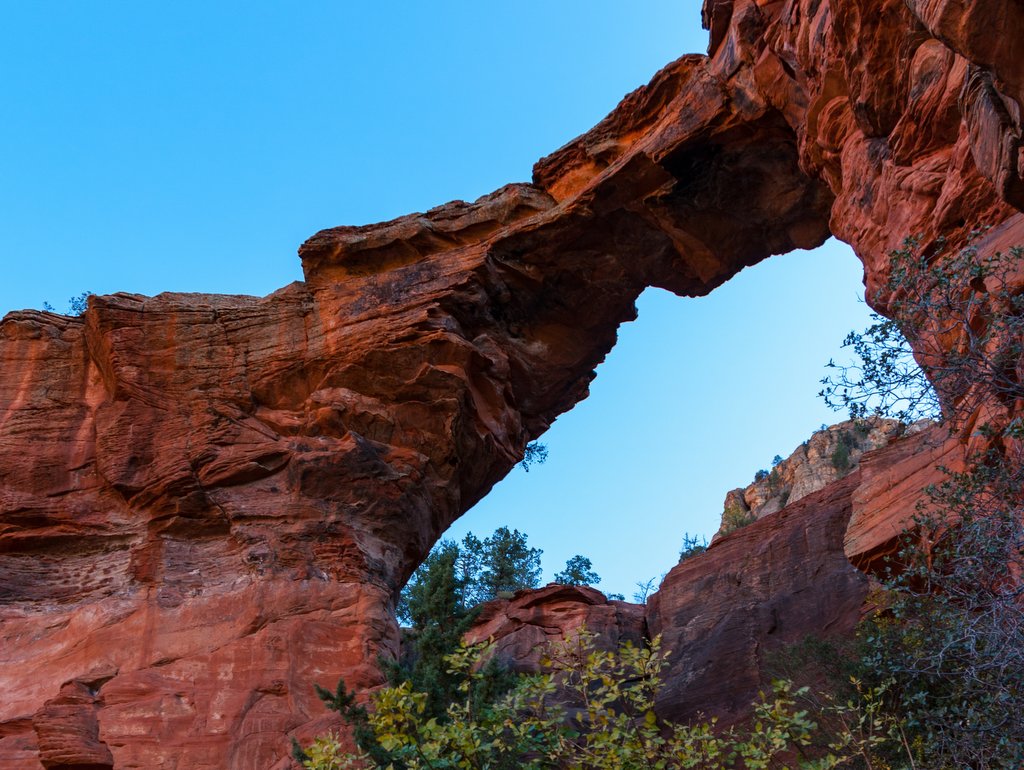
x: 841, y: 454
x: 947, y: 655
x: 950, y: 649
x: 735, y: 517
x: 592, y: 708
x: 692, y: 546
x: 937, y: 295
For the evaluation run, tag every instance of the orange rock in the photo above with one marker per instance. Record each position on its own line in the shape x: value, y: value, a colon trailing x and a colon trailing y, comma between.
x: 68, y: 732
x: 217, y: 497
x: 520, y: 627
x: 891, y: 486
x: 770, y: 584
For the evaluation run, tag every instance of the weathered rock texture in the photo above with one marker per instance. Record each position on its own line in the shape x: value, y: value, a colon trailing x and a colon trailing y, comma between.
x: 827, y: 456
x: 783, y: 577
x: 207, y: 503
x: 520, y: 627
x: 786, y: 576
x: 764, y: 586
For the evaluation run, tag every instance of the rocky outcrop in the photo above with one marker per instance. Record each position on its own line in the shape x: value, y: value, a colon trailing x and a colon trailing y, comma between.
x: 789, y: 574
x: 827, y: 456
x: 522, y: 626
x: 758, y: 589
x: 892, y: 484
x: 209, y: 502
x: 68, y: 731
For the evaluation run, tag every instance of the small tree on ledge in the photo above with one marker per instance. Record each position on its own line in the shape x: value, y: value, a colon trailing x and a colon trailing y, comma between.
x: 578, y: 572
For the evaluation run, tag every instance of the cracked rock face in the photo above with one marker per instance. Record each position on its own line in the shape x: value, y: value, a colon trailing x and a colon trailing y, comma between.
x: 207, y: 503
x: 828, y: 455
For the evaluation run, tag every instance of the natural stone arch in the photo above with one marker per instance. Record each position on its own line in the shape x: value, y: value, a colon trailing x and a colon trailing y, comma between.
x: 240, y: 485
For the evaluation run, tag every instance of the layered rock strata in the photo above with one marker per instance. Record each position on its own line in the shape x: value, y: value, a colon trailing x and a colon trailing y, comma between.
x: 207, y: 503
x: 521, y: 627
x: 789, y: 574
x: 827, y: 456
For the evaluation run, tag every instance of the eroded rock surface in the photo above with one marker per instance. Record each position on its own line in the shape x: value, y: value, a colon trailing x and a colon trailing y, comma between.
x: 760, y: 588
x: 522, y: 626
x: 789, y: 574
x: 208, y: 502
x: 827, y: 456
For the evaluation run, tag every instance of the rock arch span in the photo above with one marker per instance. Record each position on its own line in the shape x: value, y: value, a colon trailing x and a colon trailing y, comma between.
x: 208, y: 502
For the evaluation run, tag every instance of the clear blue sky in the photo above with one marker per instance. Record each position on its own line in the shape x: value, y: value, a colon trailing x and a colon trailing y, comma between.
x: 192, y: 146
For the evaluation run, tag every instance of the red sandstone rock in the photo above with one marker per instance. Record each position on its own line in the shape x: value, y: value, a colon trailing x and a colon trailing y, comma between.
x: 520, y: 627
x: 784, y: 577
x: 767, y: 585
x: 217, y: 497
x: 68, y: 732
x: 892, y: 481
x: 827, y: 456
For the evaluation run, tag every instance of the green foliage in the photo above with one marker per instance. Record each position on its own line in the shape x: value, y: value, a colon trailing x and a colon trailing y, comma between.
x: 508, y: 564
x: 468, y: 566
x: 935, y: 297
x: 592, y: 708
x: 776, y: 460
x: 841, y: 454
x: 692, y: 546
x: 885, y: 380
x: 578, y: 572
x: 535, y: 453
x: 735, y: 517
x: 468, y: 573
x: 76, y: 305
x: 760, y: 475
x: 434, y: 603
x: 326, y: 753
x: 947, y: 656
x: 325, y: 750
x: 936, y: 680
x: 439, y: 603
x: 950, y: 649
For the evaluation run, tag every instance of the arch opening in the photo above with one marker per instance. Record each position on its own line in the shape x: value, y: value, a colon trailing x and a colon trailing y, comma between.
x: 697, y: 395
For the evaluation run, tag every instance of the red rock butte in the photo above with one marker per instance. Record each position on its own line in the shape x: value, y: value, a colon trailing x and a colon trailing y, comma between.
x: 207, y: 503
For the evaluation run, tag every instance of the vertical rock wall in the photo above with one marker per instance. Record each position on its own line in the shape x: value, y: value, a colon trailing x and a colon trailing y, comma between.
x: 207, y: 503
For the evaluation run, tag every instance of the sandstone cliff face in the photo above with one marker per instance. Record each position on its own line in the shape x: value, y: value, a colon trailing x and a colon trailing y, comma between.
x: 719, y: 613
x: 758, y: 589
x: 520, y: 627
x: 787, y: 575
x: 207, y: 503
x: 827, y: 456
